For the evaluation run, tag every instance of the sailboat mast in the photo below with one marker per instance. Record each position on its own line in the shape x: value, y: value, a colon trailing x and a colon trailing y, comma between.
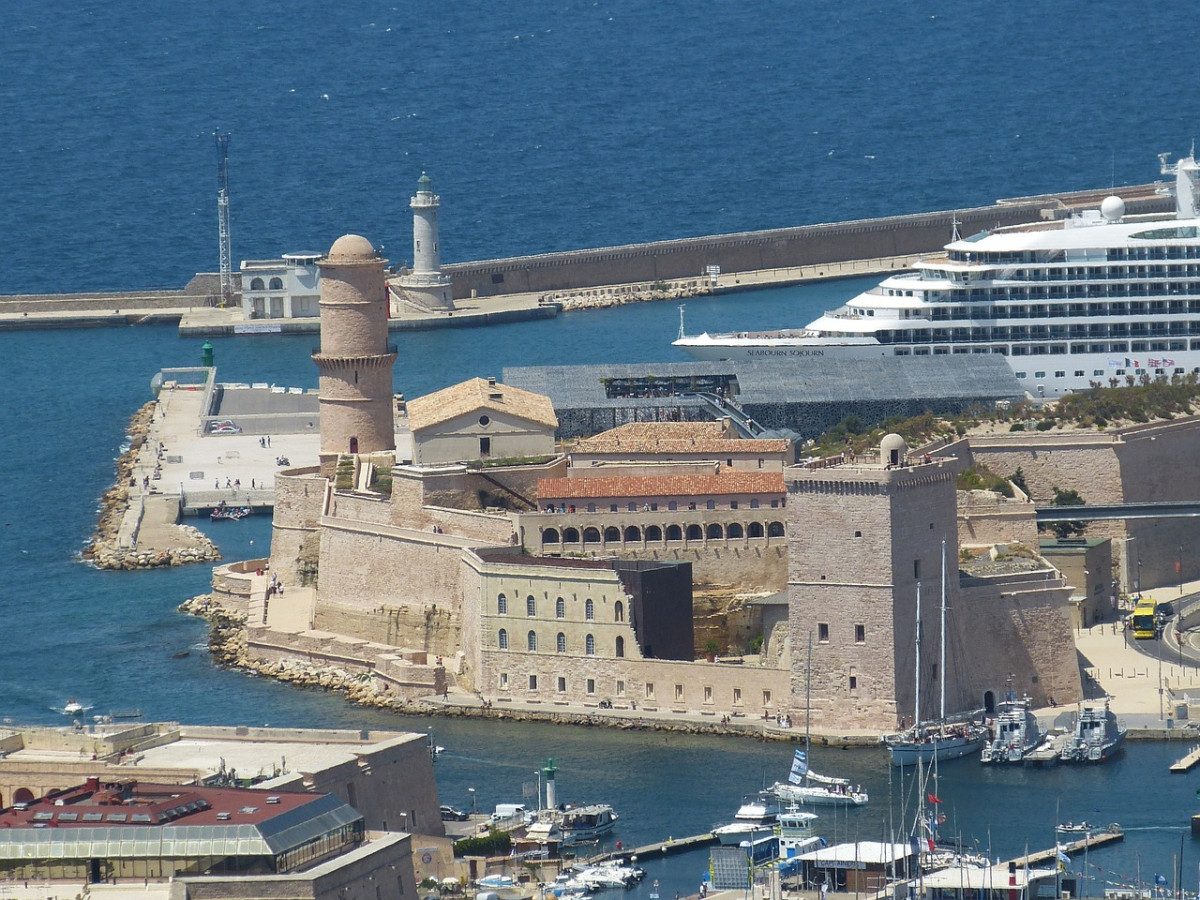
x: 917, y: 668
x: 808, y: 710
x: 942, y: 659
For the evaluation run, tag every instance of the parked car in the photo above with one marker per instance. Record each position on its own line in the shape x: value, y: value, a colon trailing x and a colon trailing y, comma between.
x: 450, y: 814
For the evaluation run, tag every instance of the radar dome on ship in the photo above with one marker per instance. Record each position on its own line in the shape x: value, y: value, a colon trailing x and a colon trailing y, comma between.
x: 1113, y: 208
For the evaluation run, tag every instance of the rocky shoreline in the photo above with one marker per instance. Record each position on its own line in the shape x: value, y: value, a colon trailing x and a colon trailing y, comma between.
x: 103, y: 550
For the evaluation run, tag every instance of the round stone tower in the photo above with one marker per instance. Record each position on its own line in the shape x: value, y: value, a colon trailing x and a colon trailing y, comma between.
x: 426, y: 286
x: 354, y: 360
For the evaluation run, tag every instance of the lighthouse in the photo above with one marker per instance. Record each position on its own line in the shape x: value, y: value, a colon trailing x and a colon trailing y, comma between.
x: 426, y: 287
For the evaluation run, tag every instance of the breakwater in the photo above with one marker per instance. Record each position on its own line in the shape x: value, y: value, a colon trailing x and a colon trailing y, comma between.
x: 778, y: 248
x: 604, y: 276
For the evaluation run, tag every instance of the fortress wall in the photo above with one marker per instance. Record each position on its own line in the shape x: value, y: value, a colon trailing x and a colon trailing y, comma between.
x: 299, y: 497
x: 986, y: 520
x: 1021, y: 629
x: 707, y: 688
x: 1090, y: 466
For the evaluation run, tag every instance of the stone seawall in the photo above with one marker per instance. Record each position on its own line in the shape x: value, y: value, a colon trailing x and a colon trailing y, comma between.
x: 889, y: 236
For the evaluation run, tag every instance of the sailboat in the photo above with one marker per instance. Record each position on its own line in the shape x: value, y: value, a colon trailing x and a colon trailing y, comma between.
x: 943, y: 739
x: 803, y: 784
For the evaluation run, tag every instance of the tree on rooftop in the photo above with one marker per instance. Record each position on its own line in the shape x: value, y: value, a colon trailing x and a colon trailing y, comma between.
x: 1068, y: 497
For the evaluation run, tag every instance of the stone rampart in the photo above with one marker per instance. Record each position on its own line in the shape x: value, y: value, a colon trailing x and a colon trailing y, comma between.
x: 988, y: 518
x: 1019, y: 625
x: 645, y: 684
x: 299, y: 502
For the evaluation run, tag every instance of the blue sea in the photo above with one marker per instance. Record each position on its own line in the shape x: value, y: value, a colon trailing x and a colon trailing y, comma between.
x: 545, y: 125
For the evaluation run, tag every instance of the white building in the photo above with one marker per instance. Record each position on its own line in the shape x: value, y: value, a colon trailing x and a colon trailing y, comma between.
x: 285, y: 288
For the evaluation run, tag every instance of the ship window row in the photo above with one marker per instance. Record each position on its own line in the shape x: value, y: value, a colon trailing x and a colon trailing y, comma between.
x: 1102, y: 272
x: 1093, y: 331
x: 1112, y: 254
x: 1100, y: 373
x: 1071, y: 309
x: 996, y: 294
x: 1111, y: 347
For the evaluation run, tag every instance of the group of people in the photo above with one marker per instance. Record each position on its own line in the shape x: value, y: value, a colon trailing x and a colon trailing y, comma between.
x: 782, y: 720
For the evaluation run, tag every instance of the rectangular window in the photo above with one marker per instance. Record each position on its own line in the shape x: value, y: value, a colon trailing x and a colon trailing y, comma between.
x: 631, y: 507
x: 620, y: 688
x: 760, y: 463
x: 504, y: 681
x: 916, y: 568
x: 485, y: 446
x: 737, y: 696
x: 860, y: 634
x: 672, y: 505
x: 679, y: 692
x: 591, y: 507
x: 707, y: 694
x: 766, y: 698
x: 612, y: 507
x: 754, y: 503
x: 591, y: 685
x: 562, y: 685
x: 533, y: 682
x: 733, y: 504
x: 710, y: 504
x: 854, y: 682
x: 649, y: 690
x: 823, y: 632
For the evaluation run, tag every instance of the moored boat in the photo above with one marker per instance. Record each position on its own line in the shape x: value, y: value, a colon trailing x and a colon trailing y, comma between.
x: 1097, y: 735
x: 939, y: 741
x: 755, y: 818
x: 586, y: 823
x: 1017, y: 732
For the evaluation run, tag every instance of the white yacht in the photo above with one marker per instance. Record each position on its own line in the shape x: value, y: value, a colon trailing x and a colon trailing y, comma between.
x: 587, y: 823
x: 754, y: 819
x: 1097, y: 298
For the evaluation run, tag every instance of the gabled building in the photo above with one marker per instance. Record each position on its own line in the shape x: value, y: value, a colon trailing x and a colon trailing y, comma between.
x: 480, y: 419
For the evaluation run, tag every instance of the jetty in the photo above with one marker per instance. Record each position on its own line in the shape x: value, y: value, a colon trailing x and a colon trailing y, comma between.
x: 667, y: 847
x: 1187, y: 762
x: 1050, y: 752
x: 1111, y: 835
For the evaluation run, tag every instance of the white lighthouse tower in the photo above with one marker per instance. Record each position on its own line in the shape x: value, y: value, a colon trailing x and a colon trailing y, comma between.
x: 425, y: 286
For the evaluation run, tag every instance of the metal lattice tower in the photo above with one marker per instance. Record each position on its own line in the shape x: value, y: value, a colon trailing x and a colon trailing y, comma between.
x: 223, y: 219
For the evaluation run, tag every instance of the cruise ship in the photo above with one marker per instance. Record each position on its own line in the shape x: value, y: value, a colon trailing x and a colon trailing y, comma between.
x: 1099, y: 298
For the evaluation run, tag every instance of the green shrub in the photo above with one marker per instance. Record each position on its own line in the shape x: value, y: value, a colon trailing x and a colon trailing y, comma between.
x: 494, y: 843
x: 1017, y: 426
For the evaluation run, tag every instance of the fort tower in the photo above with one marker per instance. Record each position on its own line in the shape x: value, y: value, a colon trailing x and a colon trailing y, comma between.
x: 354, y: 360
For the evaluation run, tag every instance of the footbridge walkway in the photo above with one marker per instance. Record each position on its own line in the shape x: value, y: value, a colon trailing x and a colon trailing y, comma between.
x: 1101, y: 512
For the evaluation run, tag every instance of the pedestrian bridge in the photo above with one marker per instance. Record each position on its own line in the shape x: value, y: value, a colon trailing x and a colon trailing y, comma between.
x: 1100, y: 512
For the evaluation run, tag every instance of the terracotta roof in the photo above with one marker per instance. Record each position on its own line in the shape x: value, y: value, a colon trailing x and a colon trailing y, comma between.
x: 662, y: 485
x: 676, y: 437
x: 477, y: 394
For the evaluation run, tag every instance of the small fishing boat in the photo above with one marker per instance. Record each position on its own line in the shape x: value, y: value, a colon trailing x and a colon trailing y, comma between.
x: 232, y: 513
x: 1098, y: 736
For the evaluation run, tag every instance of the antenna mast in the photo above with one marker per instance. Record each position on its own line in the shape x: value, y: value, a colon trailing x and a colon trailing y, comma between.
x: 681, y: 332
x: 226, y: 251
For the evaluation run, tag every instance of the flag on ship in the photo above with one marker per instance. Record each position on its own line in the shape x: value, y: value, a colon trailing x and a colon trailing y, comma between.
x: 799, y: 767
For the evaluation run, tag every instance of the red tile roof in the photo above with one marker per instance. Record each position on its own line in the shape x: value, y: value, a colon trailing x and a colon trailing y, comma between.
x: 661, y: 486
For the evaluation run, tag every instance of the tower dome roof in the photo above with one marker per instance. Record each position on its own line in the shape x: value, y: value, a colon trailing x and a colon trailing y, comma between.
x: 351, y: 248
